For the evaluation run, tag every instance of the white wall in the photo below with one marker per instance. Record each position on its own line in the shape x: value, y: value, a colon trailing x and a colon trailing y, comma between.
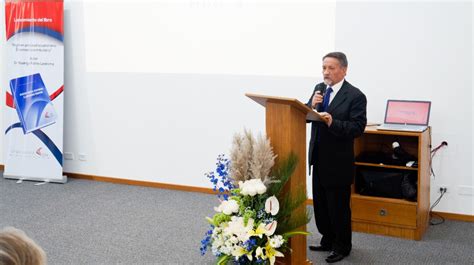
x: 170, y: 127
x: 418, y: 50
x: 245, y: 37
x: 154, y: 126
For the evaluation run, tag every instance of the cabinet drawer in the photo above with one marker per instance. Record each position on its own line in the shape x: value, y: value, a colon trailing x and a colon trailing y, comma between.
x: 383, y: 212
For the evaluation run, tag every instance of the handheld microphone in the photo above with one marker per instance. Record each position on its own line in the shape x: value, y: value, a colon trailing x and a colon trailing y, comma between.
x: 322, y: 89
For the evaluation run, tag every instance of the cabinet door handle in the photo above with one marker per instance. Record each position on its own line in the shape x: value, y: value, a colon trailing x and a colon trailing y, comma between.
x: 383, y: 212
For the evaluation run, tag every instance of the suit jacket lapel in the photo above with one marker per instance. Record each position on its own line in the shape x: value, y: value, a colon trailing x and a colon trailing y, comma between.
x: 339, y: 98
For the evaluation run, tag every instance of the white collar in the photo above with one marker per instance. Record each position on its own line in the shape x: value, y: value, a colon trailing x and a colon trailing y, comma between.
x: 336, y: 87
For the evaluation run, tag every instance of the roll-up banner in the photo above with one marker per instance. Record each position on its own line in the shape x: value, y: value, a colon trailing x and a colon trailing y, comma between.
x: 33, y: 113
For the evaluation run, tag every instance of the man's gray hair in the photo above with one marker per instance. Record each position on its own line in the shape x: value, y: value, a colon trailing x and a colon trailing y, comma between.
x: 341, y: 57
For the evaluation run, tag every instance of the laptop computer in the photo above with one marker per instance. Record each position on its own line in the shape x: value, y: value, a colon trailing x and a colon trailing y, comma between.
x: 406, y: 115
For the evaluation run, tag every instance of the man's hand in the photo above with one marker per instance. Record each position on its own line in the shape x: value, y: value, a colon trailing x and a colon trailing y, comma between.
x: 317, y: 99
x: 327, y: 118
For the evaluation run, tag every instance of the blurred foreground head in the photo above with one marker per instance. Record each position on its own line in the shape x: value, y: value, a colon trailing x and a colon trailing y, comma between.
x: 16, y: 248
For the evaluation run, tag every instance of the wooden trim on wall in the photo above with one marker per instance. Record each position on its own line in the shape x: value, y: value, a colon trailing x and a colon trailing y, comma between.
x: 140, y: 183
x: 456, y: 217
x: 449, y: 216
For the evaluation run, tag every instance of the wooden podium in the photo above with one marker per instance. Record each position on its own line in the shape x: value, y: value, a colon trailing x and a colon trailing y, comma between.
x: 286, y: 129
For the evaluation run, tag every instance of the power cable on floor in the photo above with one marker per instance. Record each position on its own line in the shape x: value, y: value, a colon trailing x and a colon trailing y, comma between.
x: 432, y: 215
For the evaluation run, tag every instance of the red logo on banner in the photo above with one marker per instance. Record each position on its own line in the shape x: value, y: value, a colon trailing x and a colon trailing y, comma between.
x: 39, y: 151
x: 20, y: 15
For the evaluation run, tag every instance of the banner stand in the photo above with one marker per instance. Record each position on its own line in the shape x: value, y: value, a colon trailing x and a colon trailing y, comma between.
x: 34, y: 98
x: 55, y: 180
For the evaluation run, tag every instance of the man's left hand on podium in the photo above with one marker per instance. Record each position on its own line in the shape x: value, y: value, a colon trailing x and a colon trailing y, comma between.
x: 326, y: 118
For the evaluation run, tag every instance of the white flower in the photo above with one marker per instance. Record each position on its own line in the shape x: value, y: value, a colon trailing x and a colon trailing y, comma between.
x: 263, y: 229
x: 259, y: 231
x: 240, y: 251
x: 234, y: 240
x: 225, y: 250
x: 270, y: 228
x: 228, y: 207
x: 252, y: 187
x: 276, y: 241
x: 259, y: 253
x: 237, y: 228
x: 272, y: 205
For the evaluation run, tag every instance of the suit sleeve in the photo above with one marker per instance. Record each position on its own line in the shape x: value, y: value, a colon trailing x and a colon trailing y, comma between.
x: 311, y: 98
x: 311, y: 101
x: 355, y: 125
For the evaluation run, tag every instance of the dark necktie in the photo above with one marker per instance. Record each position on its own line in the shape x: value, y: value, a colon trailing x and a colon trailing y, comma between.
x: 326, y: 98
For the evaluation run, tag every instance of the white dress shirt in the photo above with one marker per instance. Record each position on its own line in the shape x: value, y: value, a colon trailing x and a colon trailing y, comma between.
x: 335, y: 89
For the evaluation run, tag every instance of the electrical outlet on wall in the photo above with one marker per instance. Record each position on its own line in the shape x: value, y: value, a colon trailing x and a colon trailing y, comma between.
x: 439, y: 188
x: 68, y: 156
x: 82, y: 157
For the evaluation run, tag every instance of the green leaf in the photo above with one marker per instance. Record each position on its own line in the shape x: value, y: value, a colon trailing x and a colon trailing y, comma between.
x: 293, y: 212
x: 223, y: 260
x: 294, y: 233
x: 220, y: 218
x: 210, y: 221
x: 282, y: 173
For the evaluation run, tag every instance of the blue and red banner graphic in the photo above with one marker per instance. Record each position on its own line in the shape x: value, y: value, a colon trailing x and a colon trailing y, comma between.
x: 34, y: 98
x: 34, y: 16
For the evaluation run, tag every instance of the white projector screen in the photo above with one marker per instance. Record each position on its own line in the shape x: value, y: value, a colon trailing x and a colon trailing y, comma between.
x: 278, y: 38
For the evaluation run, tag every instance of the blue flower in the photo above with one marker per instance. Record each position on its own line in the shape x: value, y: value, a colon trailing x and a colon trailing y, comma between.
x: 250, y: 244
x: 220, y: 178
x: 206, y: 242
x: 261, y: 214
x: 222, y: 184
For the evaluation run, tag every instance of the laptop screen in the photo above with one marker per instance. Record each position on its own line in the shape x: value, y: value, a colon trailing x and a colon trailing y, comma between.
x: 407, y: 112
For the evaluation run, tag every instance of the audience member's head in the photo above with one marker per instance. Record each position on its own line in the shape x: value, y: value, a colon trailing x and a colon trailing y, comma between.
x: 16, y: 248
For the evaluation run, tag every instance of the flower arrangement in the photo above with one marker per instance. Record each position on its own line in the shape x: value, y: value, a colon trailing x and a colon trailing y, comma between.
x: 251, y: 226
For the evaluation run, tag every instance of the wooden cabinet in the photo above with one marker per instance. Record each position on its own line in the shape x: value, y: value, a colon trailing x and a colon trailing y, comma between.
x: 393, y: 216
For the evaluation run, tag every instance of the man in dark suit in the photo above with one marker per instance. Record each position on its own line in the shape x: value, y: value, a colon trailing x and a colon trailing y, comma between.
x: 331, y: 154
